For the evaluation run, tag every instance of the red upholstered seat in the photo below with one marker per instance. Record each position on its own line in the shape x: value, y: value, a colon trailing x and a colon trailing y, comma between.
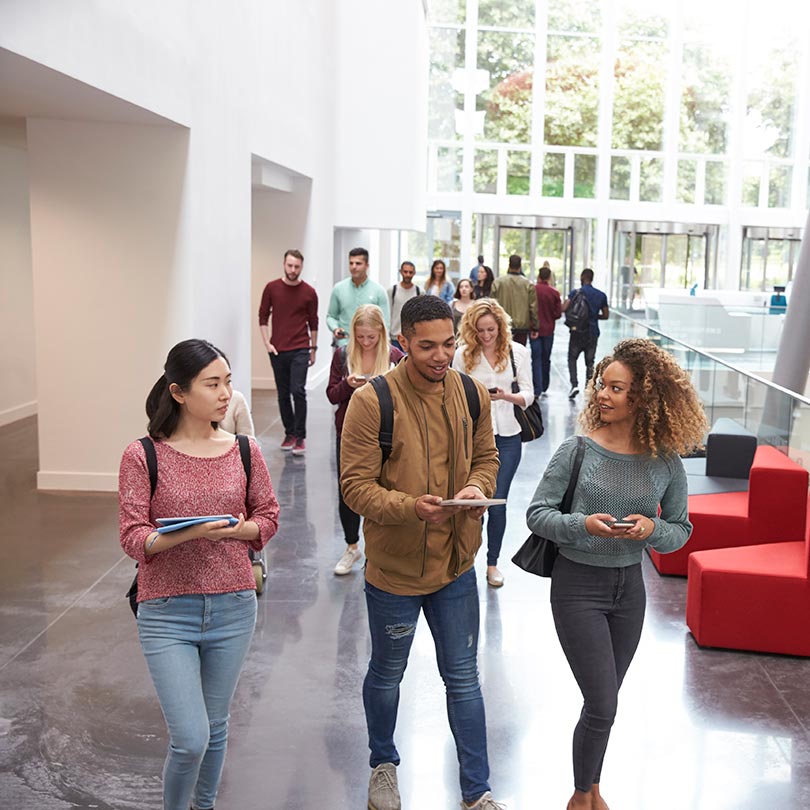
x: 752, y: 597
x: 773, y: 510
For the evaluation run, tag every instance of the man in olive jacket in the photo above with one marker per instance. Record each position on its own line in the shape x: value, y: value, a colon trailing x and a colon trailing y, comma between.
x: 420, y: 554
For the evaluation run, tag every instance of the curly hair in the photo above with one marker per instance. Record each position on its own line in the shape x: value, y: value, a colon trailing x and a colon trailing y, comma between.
x: 669, y: 417
x: 468, y: 333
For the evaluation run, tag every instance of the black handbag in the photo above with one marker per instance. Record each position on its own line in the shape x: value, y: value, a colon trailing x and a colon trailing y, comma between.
x: 529, y: 419
x: 537, y: 555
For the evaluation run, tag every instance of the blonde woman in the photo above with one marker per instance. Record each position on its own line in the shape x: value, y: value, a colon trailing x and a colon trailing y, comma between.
x: 486, y: 351
x: 367, y: 354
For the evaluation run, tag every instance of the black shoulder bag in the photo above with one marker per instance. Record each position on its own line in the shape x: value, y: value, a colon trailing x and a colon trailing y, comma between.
x: 530, y: 419
x: 537, y: 554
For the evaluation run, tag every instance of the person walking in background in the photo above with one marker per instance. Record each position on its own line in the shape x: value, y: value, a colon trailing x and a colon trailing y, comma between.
x: 641, y: 415
x: 515, y: 293
x: 474, y: 271
x: 483, y: 286
x: 400, y: 293
x: 419, y: 554
x: 462, y: 301
x: 438, y: 283
x: 549, y: 309
x: 486, y: 352
x: 238, y: 418
x: 196, y: 589
x: 367, y: 354
x: 584, y: 328
x: 351, y: 293
x: 291, y: 343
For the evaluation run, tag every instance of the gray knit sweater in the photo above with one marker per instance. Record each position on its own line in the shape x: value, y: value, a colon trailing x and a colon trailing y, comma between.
x: 620, y: 485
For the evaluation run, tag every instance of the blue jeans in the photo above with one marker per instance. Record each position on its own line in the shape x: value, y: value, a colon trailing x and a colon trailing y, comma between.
x: 541, y: 362
x: 452, y: 616
x: 195, y: 645
x: 598, y: 613
x: 509, y: 451
x: 290, y: 370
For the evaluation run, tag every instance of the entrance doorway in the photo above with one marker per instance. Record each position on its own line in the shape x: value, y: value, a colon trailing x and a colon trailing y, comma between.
x: 564, y: 243
x: 660, y: 255
x: 769, y: 257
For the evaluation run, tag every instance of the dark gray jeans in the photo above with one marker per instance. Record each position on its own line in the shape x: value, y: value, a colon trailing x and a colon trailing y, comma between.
x: 598, y: 613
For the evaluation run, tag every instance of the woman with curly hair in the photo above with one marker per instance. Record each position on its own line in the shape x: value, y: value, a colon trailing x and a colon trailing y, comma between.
x: 642, y: 412
x: 486, y: 351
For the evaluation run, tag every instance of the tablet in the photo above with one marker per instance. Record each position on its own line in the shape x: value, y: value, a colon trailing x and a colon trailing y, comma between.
x: 475, y: 504
x: 169, y: 521
x: 195, y: 521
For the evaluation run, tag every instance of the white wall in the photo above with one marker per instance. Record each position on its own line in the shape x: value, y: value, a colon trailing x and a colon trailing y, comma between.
x: 381, y: 143
x: 18, y: 390
x: 125, y: 215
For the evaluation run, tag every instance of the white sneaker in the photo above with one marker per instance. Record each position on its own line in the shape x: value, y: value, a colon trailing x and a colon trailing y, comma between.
x: 485, y: 802
x: 347, y: 561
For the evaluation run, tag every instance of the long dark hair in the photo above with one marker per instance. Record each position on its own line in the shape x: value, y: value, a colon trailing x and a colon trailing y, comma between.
x: 184, y: 362
x: 432, y: 277
x: 484, y: 290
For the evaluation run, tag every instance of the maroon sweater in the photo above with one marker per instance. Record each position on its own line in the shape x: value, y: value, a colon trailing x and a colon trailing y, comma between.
x: 295, y: 313
x: 549, y: 307
x: 338, y: 391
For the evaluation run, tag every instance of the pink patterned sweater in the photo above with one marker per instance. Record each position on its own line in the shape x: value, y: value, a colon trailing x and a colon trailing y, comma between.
x: 190, y: 486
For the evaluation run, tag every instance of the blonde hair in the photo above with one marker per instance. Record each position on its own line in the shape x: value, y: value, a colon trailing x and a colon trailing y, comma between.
x: 371, y: 316
x: 468, y: 333
x: 669, y: 416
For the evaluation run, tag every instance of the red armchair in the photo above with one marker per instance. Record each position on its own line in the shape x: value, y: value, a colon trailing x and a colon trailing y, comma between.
x: 752, y: 598
x: 773, y: 510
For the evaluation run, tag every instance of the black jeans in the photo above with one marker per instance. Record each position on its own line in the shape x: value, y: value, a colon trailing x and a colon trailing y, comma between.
x: 598, y: 613
x: 350, y: 521
x: 577, y: 344
x: 290, y: 370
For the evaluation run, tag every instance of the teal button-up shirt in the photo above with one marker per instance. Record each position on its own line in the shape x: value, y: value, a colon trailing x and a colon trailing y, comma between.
x: 345, y: 299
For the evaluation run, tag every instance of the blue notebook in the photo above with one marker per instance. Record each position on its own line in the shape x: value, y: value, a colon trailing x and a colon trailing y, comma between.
x: 175, y: 523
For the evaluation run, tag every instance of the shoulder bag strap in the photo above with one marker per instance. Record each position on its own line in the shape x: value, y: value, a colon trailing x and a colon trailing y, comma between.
x: 568, y: 498
x: 386, y: 433
x: 244, y: 452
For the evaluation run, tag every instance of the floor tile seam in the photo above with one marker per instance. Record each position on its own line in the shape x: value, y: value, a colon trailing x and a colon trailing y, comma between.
x: 782, y: 697
x: 62, y: 614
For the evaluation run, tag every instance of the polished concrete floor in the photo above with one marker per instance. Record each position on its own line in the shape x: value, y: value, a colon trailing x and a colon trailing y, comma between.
x: 80, y: 726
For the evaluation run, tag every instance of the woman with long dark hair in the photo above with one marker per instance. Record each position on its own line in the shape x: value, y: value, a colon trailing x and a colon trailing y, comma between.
x: 196, y: 587
x: 642, y: 413
x: 438, y: 283
x: 483, y: 287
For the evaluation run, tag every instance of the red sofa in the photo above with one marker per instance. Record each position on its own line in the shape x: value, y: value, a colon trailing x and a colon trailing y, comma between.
x: 752, y: 598
x: 773, y: 510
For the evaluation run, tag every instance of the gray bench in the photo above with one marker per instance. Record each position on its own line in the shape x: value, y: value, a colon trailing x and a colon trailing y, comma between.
x: 730, y: 452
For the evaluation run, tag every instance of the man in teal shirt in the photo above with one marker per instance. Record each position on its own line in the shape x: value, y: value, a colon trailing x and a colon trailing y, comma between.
x: 351, y: 293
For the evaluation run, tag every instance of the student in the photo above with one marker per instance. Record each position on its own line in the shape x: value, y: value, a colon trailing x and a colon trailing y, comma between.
x: 641, y: 413
x: 367, y: 355
x: 438, y: 283
x: 483, y: 287
x: 549, y: 309
x: 196, y: 589
x: 420, y: 554
x: 400, y: 293
x: 462, y: 301
x: 516, y: 294
x: 238, y: 418
x: 486, y: 352
x: 584, y: 341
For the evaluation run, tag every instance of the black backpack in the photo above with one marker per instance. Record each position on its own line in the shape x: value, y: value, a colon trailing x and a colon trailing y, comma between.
x: 578, y: 314
x: 151, y: 465
x: 387, y: 410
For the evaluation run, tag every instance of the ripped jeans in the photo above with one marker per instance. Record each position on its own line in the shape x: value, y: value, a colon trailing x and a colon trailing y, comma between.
x: 452, y: 616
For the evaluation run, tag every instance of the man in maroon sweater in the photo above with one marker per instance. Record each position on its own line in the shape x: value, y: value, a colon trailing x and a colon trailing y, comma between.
x: 291, y: 342
x: 549, y: 308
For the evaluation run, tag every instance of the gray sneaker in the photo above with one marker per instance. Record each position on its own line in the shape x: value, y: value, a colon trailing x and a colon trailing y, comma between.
x: 486, y: 802
x: 383, y: 792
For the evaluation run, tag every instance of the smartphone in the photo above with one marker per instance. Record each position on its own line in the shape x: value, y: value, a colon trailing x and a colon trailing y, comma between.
x: 621, y: 524
x: 341, y: 333
x: 492, y: 390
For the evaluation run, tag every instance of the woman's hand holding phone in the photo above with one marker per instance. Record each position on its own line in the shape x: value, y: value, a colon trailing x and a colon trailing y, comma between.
x: 356, y: 380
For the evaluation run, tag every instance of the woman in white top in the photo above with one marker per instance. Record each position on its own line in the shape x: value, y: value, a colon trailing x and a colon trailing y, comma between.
x: 438, y: 283
x: 484, y: 350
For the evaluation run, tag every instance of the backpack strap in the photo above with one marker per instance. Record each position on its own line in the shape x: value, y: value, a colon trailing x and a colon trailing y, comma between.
x: 394, y: 292
x: 473, y: 402
x: 418, y: 291
x: 386, y: 434
x: 151, y: 463
x: 244, y: 452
